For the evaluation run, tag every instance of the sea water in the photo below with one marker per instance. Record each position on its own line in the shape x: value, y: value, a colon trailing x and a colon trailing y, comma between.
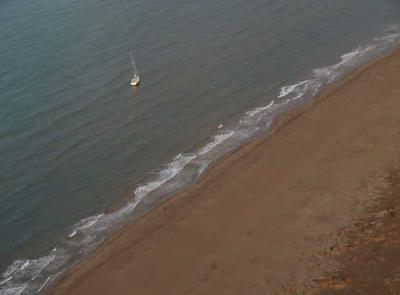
x: 81, y: 151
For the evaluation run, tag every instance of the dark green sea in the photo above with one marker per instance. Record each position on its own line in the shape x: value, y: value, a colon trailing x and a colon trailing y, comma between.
x: 81, y: 152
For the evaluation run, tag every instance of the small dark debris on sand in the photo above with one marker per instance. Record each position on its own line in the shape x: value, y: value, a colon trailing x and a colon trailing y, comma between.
x: 368, y: 251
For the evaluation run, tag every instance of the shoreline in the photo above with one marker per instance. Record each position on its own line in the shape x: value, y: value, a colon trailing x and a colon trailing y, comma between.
x: 187, y: 169
x: 213, y: 174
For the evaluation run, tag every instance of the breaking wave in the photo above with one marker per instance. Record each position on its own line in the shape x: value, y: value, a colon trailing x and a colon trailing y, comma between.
x: 30, y: 276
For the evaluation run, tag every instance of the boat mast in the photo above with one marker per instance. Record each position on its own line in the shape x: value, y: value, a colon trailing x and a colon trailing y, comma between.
x: 135, y: 71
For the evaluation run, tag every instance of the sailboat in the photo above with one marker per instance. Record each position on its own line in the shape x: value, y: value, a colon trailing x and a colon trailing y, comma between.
x: 135, y: 79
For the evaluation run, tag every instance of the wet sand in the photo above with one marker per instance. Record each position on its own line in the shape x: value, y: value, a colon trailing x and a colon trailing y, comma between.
x: 278, y: 215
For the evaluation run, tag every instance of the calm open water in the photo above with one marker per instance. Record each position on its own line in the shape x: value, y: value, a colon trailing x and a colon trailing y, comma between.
x: 75, y: 139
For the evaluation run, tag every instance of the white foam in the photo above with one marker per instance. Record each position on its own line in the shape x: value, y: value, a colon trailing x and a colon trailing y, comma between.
x: 14, y: 290
x: 358, y: 52
x: 298, y: 90
x: 392, y: 38
x: 88, y: 222
x: 260, y: 109
x: 18, y: 276
x: 349, y: 56
x: 327, y: 74
x: 27, y: 262
x: 37, y: 265
x: 330, y: 73
x: 72, y: 234
x: 89, y: 228
x: 288, y: 89
x: 5, y: 280
x: 316, y: 87
x: 44, y: 284
x: 85, y: 224
x: 16, y: 266
x: 20, y: 271
x: 107, y: 220
x: 218, y: 139
x: 172, y: 169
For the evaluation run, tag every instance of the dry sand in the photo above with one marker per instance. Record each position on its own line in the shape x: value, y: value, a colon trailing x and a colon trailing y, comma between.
x: 281, y: 215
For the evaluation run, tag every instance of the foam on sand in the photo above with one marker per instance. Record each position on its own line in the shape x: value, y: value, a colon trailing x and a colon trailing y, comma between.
x: 29, y: 276
x: 171, y: 170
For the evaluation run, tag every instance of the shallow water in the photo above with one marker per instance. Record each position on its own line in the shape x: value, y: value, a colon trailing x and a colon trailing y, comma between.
x: 75, y: 139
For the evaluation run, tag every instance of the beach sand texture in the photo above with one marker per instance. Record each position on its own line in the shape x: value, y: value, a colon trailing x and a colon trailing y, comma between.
x: 262, y: 218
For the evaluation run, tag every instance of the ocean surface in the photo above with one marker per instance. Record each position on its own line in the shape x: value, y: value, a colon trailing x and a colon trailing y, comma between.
x: 81, y: 152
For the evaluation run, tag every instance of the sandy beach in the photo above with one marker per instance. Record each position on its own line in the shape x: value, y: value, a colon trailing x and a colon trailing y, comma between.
x: 299, y: 210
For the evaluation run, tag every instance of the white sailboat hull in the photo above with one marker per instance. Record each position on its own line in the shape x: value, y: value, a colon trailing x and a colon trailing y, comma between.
x: 135, y: 81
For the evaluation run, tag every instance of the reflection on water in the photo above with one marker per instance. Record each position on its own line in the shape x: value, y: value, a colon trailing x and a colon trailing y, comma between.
x: 134, y: 90
x: 72, y: 141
